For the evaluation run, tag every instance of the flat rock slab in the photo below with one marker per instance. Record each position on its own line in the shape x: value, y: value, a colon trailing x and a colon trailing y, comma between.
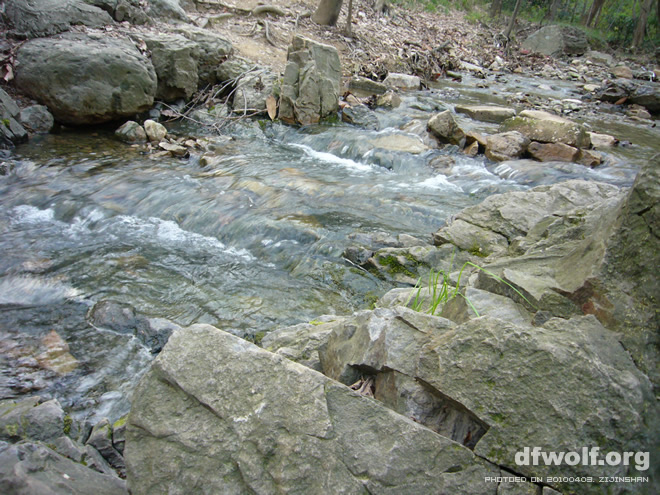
x: 486, y: 113
x: 217, y: 414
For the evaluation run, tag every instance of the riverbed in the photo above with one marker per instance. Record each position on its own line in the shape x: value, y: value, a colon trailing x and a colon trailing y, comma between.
x: 250, y: 238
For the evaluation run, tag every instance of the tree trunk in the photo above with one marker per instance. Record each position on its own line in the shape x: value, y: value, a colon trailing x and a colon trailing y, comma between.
x: 327, y: 12
x: 640, y: 29
x: 349, y: 29
x: 496, y: 8
x: 507, y: 35
x: 594, y: 11
x: 551, y: 13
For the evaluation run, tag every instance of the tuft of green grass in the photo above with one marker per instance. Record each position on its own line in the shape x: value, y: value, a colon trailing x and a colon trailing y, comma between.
x: 441, y: 290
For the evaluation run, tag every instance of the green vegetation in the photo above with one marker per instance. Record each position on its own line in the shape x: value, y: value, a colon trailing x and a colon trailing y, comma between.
x: 394, y: 266
x: 441, y: 290
x: 612, y: 22
x: 120, y: 422
x: 68, y: 423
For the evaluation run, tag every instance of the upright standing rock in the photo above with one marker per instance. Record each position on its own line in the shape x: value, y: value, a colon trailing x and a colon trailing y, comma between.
x: 310, y: 89
x: 11, y: 131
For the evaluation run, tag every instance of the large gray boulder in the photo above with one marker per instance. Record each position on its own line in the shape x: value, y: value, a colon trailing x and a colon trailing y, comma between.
x: 565, y: 385
x: 545, y: 127
x: 212, y: 50
x: 517, y: 223
x: 85, y: 80
x: 311, y: 84
x: 573, y: 248
x: 39, y: 18
x: 217, y: 414
x: 498, y: 386
x: 174, y: 58
x: 35, y: 469
x: 556, y: 40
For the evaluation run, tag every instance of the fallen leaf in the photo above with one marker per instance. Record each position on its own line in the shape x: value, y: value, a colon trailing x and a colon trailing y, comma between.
x: 271, y: 106
x: 7, y: 73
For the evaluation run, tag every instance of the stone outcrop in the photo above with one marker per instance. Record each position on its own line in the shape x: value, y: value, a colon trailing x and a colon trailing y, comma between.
x: 33, y: 468
x: 244, y: 419
x: 444, y: 127
x: 174, y: 58
x: 11, y: 131
x: 36, y: 118
x: 85, y: 80
x: 506, y: 145
x: 46, y: 454
x: 39, y: 18
x: 556, y: 40
x: 311, y: 84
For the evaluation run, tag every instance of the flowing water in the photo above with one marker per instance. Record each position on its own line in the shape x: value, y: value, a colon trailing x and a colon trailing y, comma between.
x: 249, y: 242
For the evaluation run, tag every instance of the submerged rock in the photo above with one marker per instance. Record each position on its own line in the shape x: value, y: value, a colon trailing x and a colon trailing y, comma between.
x: 122, y: 318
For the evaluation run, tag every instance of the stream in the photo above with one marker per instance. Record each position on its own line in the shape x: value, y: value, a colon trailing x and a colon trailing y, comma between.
x: 249, y: 242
